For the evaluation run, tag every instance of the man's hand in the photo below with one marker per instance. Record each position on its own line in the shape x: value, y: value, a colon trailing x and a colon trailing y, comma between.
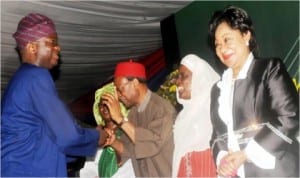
x: 111, y: 138
x: 112, y: 102
x: 103, y: 136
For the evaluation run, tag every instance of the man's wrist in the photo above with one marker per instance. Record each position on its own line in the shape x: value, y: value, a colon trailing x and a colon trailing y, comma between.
x: 123, y: 120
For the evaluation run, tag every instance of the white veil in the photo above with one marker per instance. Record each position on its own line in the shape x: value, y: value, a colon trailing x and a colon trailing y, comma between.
x: 192, y: 128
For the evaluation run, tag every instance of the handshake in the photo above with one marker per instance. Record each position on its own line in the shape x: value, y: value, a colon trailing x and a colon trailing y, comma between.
x: 106, y: 136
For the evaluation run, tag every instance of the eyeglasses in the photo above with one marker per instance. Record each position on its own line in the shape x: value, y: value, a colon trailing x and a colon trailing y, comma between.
x: 49, y: 42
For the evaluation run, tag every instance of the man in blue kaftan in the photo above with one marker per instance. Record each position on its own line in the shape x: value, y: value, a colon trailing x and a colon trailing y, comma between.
x: 37, y: 130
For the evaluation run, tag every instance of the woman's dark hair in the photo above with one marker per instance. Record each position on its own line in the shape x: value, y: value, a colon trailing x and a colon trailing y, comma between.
x: 237, y: 19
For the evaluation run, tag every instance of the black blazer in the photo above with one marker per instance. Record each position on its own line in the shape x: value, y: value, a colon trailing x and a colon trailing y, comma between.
x: 267, y: 94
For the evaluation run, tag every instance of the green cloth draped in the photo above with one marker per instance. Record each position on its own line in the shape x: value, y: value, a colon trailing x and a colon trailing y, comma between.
x: 108, y: 164
x: 108, y: 88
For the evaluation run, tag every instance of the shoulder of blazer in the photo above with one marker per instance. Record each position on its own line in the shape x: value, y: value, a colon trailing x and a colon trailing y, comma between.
x: 215, y: 92
x: 264, y: 66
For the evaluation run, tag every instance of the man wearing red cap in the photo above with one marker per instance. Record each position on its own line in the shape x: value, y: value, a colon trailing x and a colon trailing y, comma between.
x: 37, y: 131
x: 149, y: 141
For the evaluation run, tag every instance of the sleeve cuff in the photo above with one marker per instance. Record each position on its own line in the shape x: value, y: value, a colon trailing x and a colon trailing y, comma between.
x: 259, y: 156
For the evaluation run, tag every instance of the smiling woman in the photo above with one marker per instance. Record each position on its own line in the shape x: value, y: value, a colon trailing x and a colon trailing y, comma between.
x: 183, y: 82
x: 108, y: 88
x: 254, y: 98
x: 106, y: 162
x: 192, y: 129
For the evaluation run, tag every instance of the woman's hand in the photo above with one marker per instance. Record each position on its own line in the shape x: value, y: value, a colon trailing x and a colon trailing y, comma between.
x: 231, y: 162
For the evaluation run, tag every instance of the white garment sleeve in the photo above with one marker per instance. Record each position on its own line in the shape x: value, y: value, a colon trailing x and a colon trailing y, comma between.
x: 259, y: 156
x: 220, y: 155
x: 126, y: 170
x: 90, y: 169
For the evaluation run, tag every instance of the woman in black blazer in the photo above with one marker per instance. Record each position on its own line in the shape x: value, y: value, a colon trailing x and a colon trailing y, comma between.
x: 254, y: 107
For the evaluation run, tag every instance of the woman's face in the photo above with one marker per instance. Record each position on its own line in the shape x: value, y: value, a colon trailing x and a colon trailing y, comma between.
x: 184, y: 82
x: 232, y: 47
x: 104, y: 112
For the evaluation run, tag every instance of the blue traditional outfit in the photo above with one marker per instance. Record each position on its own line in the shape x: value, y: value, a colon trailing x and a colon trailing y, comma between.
x: 37, y: 130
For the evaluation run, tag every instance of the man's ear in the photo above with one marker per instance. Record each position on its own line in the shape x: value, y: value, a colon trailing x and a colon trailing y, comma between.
x: 31, y: 47
x: 135, y: 82
x: 29, y: 52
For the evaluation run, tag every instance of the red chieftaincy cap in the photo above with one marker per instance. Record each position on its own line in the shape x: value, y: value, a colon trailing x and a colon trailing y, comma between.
x: 130, y: 69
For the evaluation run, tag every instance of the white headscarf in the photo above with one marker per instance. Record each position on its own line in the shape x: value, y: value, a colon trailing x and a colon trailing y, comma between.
x: 193, y: 128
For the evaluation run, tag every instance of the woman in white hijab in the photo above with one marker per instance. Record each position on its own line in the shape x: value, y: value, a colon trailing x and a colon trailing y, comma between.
x: 192, y: 128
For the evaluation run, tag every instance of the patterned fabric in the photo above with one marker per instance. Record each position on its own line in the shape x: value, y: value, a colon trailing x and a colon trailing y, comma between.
x: 197, y: 164
x: 33, y: 27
